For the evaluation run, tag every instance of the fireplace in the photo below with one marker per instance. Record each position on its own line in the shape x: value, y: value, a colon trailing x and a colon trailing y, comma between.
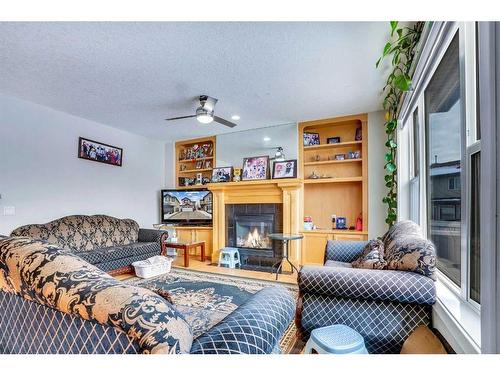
x: 252, y: 231
x: 248, y: 227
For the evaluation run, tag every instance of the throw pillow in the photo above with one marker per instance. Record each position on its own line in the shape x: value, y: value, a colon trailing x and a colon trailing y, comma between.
x: 372, y: 256
x: 415, y: 254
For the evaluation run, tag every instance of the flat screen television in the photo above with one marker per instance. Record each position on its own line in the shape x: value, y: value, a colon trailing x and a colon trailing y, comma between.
x: 186, y: 207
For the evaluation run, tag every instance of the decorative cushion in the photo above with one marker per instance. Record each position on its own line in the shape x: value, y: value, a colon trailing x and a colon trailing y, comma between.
x: 400, y: 229
x: 83, y: 233
x: 63, y: 281
x: 372, y: 256
x: 413, y: 253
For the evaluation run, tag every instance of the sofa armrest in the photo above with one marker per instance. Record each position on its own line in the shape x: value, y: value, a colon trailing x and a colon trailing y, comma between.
x: 151, y: 235
x: 363, y: 284
x: 344, y: 251
x: 254, y: 328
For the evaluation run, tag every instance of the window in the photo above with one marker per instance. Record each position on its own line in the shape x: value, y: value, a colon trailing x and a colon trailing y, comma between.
x: 474, y: 238
x: 454, y: 183
x: 442, y: 172
x: 415, y: 169
x: 443, y: 114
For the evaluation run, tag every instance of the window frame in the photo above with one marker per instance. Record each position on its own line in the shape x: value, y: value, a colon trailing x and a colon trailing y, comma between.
x: 455, y: 312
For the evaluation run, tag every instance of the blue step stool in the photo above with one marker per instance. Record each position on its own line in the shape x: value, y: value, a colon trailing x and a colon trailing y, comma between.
x: 336, y: 339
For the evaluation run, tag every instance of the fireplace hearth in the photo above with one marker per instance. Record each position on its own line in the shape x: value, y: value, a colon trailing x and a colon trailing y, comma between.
x: 248, y: 227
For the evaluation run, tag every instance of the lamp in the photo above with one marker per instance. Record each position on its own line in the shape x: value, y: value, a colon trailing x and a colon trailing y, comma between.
x: 279, y: 155
x: 204, y: 116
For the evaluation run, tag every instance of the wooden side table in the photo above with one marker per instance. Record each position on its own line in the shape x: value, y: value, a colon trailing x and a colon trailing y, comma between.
x: 185, y: 246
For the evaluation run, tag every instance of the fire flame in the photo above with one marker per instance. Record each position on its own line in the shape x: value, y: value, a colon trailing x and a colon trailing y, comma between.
x: 256, y: 240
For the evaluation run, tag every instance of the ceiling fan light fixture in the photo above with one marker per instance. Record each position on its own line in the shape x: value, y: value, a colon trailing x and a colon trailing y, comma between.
x: 204, y: 118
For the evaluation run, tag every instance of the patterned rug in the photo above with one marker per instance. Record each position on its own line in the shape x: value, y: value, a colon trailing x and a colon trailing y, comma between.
x: 205, y: 298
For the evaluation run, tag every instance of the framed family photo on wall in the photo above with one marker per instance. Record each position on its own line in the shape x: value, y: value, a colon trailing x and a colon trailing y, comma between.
x: 100, y: 152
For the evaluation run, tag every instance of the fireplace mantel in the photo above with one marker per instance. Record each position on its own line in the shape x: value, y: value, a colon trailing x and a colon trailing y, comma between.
x: 285, y: 191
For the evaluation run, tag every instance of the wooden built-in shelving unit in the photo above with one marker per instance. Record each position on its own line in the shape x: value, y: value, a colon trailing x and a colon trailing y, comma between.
x: 185, y: 165
x: 341, y: 188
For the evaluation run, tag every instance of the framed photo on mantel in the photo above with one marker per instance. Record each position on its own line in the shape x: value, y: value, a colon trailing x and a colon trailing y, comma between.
x: 255, y: 168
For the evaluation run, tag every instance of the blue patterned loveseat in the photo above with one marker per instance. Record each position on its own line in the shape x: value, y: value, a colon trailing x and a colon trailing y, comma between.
x: 384, y: 306
x: 109, y: 243
x: 52, y: 301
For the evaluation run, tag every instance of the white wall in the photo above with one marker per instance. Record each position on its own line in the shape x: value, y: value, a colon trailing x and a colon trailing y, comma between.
x: 41, y: 176
x: 376, y: 172
x: 170, y: 165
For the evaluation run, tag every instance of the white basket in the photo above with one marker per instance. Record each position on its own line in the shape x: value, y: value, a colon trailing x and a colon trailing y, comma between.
x: 153, y: 266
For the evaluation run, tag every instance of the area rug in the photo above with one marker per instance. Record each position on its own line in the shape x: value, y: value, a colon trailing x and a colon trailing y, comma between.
x: 205, y: 298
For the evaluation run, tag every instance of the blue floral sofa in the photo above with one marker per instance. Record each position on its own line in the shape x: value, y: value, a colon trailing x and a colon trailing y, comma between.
x: 53, y: 301
x: 107, y: 242
x: 384, y: 306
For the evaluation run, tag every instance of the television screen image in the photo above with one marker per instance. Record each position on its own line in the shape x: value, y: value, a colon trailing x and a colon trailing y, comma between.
x: 186, y: 206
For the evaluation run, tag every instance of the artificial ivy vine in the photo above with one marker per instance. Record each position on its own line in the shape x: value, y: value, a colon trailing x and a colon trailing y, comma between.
x: 402, y: 48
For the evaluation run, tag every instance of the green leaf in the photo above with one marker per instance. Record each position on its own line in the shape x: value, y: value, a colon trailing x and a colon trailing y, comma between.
x: 402, y: 82
x: 394, y: 25
x: 390, y: 144
x: 387, y: 48
x: 390, y: 167
x: 378, y: 62
x: 396, y: 58
x: 388, y: 177
x: 388, y: 157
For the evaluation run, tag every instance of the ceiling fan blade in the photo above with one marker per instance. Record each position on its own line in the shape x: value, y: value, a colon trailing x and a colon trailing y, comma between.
x: 179, y: 118
x: 209, y: 104
x: 224, y: 122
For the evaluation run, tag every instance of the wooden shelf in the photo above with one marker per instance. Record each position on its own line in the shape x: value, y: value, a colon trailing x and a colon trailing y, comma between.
x: 199, y: 159
x: 333, y: 161
x: 332, y: 145
x: 333, y: 180
x: 183, y: 149
x: 189, y: 187
x: 195, y: 170
x: 334, y: 231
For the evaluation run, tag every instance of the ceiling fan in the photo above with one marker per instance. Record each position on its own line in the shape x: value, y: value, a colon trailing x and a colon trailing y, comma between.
x: 205, y: 112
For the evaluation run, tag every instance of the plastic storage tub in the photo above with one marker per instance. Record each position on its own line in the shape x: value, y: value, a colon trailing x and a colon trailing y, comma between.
x: 153, y: 266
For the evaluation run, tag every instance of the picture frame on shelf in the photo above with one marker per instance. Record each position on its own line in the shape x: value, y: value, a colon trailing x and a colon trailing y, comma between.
x: 340, y: 223
x: 332, y: 140
x: 222, y: 174
x: 340, y: 157
x: 354, y: 154
x: 285, y: 169
x: 359, y: 134
x: 311, y: 139
x: 99, y: 152
x: 255, y: 168
x: 199, y: 164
